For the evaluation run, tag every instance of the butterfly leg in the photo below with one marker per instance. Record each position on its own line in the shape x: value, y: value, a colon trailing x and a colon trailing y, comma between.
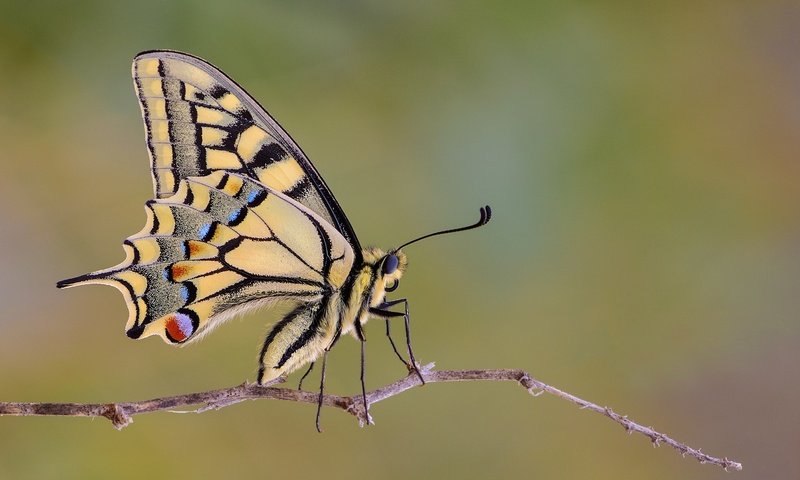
x: 407, y: 322
x: 363, y: 339
x: 321, y: 389
x: 363, y: 387
x: 300, y: 384
x: 381, y: 311
x: 336, y: 335
x: 394, y: 347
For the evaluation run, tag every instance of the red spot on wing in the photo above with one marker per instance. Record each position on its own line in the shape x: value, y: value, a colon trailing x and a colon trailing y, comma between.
x: 174, y: 330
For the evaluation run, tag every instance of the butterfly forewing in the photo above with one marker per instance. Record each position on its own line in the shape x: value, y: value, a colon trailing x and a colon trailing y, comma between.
x: 223, y: 243
x: 198, y: 121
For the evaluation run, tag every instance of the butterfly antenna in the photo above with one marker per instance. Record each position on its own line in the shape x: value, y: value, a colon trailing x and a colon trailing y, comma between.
x: 486, y: 215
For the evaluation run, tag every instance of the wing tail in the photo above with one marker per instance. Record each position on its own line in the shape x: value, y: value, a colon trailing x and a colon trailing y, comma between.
x: 85, y: 279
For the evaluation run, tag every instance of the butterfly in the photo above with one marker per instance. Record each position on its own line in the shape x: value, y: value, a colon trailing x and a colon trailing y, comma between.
x: 241, y: 219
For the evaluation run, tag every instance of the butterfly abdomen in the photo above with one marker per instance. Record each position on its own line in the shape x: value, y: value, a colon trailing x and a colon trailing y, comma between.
x: 299, y: 338
x: 308, y: 330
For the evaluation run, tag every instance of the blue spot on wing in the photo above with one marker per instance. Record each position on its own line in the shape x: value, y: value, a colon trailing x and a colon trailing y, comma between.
x: 236, y: 216
x: 204, y: 231
x: 256, y: 197
x: 184, y: 324
x: 188, y: 292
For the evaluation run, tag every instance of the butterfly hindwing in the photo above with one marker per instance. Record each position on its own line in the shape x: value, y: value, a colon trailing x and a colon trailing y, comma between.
x: 198, y: 120
x: 220, y: 245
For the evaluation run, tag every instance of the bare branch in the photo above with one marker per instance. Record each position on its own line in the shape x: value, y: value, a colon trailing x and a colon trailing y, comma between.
x: 120, y: 414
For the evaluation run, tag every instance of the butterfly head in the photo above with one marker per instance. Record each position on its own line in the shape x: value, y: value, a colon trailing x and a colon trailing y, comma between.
x: 388, y: 267
x: 392, y: 268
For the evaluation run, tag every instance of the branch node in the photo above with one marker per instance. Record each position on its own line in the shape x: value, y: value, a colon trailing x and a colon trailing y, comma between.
x: 656, y: 441
x: 119, y: 418
x: 532, y: 386
x: 350, y: 406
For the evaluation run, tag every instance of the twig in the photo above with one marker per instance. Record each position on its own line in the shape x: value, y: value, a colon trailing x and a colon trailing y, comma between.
x: 120, y: 413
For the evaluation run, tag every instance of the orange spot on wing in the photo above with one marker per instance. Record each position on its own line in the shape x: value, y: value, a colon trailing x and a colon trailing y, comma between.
x: 180, y: 272
x: 200, y: 250
x: 194, y: 248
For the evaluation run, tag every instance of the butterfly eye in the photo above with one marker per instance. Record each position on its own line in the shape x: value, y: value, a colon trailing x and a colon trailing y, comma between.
x: 390, y: 264
x: 393, y: 286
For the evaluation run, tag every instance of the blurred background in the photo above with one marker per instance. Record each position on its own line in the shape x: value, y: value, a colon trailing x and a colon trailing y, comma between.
x: 642, y: 163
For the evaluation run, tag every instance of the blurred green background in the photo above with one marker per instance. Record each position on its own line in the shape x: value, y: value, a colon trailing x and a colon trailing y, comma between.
x: 642, y: 162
